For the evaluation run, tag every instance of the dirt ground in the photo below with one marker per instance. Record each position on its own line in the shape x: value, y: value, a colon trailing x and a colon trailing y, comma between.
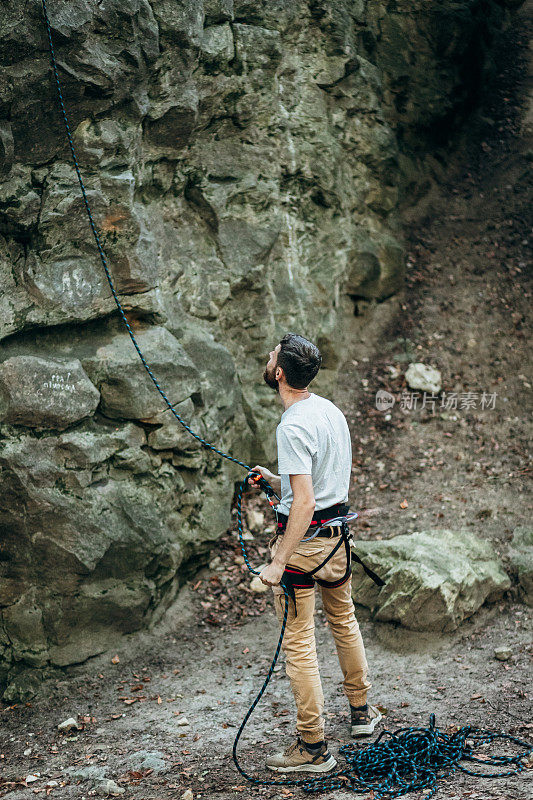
x: 466, y: 310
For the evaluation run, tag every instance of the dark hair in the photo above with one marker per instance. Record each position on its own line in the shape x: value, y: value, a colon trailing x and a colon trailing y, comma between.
x: 299, y: 359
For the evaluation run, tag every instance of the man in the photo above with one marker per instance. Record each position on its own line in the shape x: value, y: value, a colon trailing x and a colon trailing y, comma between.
x: 314, y: 464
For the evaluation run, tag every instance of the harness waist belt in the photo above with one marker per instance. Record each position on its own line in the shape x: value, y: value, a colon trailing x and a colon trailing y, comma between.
x: 338, y: 510
x: 296, y: 578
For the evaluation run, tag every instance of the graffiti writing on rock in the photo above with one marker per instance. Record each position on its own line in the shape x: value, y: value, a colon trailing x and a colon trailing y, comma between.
x: 60, y: 383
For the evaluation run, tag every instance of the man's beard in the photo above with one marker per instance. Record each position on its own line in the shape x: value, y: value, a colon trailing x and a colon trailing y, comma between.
x: 270, y: 379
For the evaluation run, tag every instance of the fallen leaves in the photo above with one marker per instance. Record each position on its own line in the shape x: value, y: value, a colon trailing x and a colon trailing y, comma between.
x: 135, y: 776
x: 225, y: 597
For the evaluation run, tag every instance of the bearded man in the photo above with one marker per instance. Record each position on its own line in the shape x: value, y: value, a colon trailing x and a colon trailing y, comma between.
x: 314, y: 466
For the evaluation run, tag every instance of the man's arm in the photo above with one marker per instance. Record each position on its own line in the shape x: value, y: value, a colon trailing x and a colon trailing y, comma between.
x: 300, y: 516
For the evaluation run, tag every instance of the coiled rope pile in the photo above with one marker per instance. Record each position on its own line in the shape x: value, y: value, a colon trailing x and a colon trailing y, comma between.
x: 406, y: 760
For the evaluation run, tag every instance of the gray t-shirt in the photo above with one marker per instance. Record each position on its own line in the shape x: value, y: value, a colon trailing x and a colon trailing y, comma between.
x: 313, y: 439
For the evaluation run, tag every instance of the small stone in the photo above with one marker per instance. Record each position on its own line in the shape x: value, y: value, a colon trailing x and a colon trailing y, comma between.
x: 133, y: 459
x: 257, y: 585
x: 187, y: 795
x: 423, y: 377
x: 27, y: 752
x: 51, y: 784
x: 503, y: 653
x: 32, y: 778
x: 255, y: 520
x: 239, y: 559
x: 68, y: 725
x: 183, y: 721
x: 109, y: 787
x: 215, y: 562
x: 148, y: 759
x: 91, y: 772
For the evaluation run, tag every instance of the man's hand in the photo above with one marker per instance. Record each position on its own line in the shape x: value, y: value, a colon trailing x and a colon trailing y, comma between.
x: 271, y: 574
x: 264, y: 472
x: 273, y: 480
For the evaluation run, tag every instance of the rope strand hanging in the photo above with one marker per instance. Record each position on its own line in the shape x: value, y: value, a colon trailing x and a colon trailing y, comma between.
x: 398, y: 762
x: 103, y: 257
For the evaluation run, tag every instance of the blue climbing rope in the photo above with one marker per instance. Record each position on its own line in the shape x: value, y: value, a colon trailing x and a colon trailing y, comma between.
x: 398, y: 762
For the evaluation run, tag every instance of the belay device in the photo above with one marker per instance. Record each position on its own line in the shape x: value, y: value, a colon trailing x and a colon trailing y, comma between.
x: 398, y: 762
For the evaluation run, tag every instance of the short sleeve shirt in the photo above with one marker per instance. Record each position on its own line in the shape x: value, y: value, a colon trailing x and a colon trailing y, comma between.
x: 313, y: 438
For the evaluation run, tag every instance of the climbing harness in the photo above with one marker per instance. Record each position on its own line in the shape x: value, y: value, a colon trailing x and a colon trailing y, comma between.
x: 410, y: 758
x: 296, y: 578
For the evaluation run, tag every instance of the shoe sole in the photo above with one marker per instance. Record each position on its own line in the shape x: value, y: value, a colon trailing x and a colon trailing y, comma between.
x: 325, y: 767
x: 366, y: 730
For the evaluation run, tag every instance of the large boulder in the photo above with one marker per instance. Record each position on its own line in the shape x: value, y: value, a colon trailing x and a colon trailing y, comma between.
x: 45, y: 392
x: 434, y: 579
x: 521, y: 562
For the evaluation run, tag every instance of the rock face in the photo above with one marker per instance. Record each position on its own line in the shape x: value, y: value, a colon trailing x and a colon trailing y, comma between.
x: 126, y: 394
x: 45, y: 392
x: 244, y: 163
x: 433, y: 579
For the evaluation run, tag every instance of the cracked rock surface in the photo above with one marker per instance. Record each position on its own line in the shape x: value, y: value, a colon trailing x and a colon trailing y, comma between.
x: 245, y: 163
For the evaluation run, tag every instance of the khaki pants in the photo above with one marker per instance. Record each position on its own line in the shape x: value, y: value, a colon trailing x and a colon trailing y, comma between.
x: 299, y: 641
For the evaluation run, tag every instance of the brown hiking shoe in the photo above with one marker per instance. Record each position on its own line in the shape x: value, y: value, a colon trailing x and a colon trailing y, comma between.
x: 296, y: 758
x: 364, y: 722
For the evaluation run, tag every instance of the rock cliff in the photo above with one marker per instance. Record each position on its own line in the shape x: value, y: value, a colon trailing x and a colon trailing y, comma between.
x: 245, y: 163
